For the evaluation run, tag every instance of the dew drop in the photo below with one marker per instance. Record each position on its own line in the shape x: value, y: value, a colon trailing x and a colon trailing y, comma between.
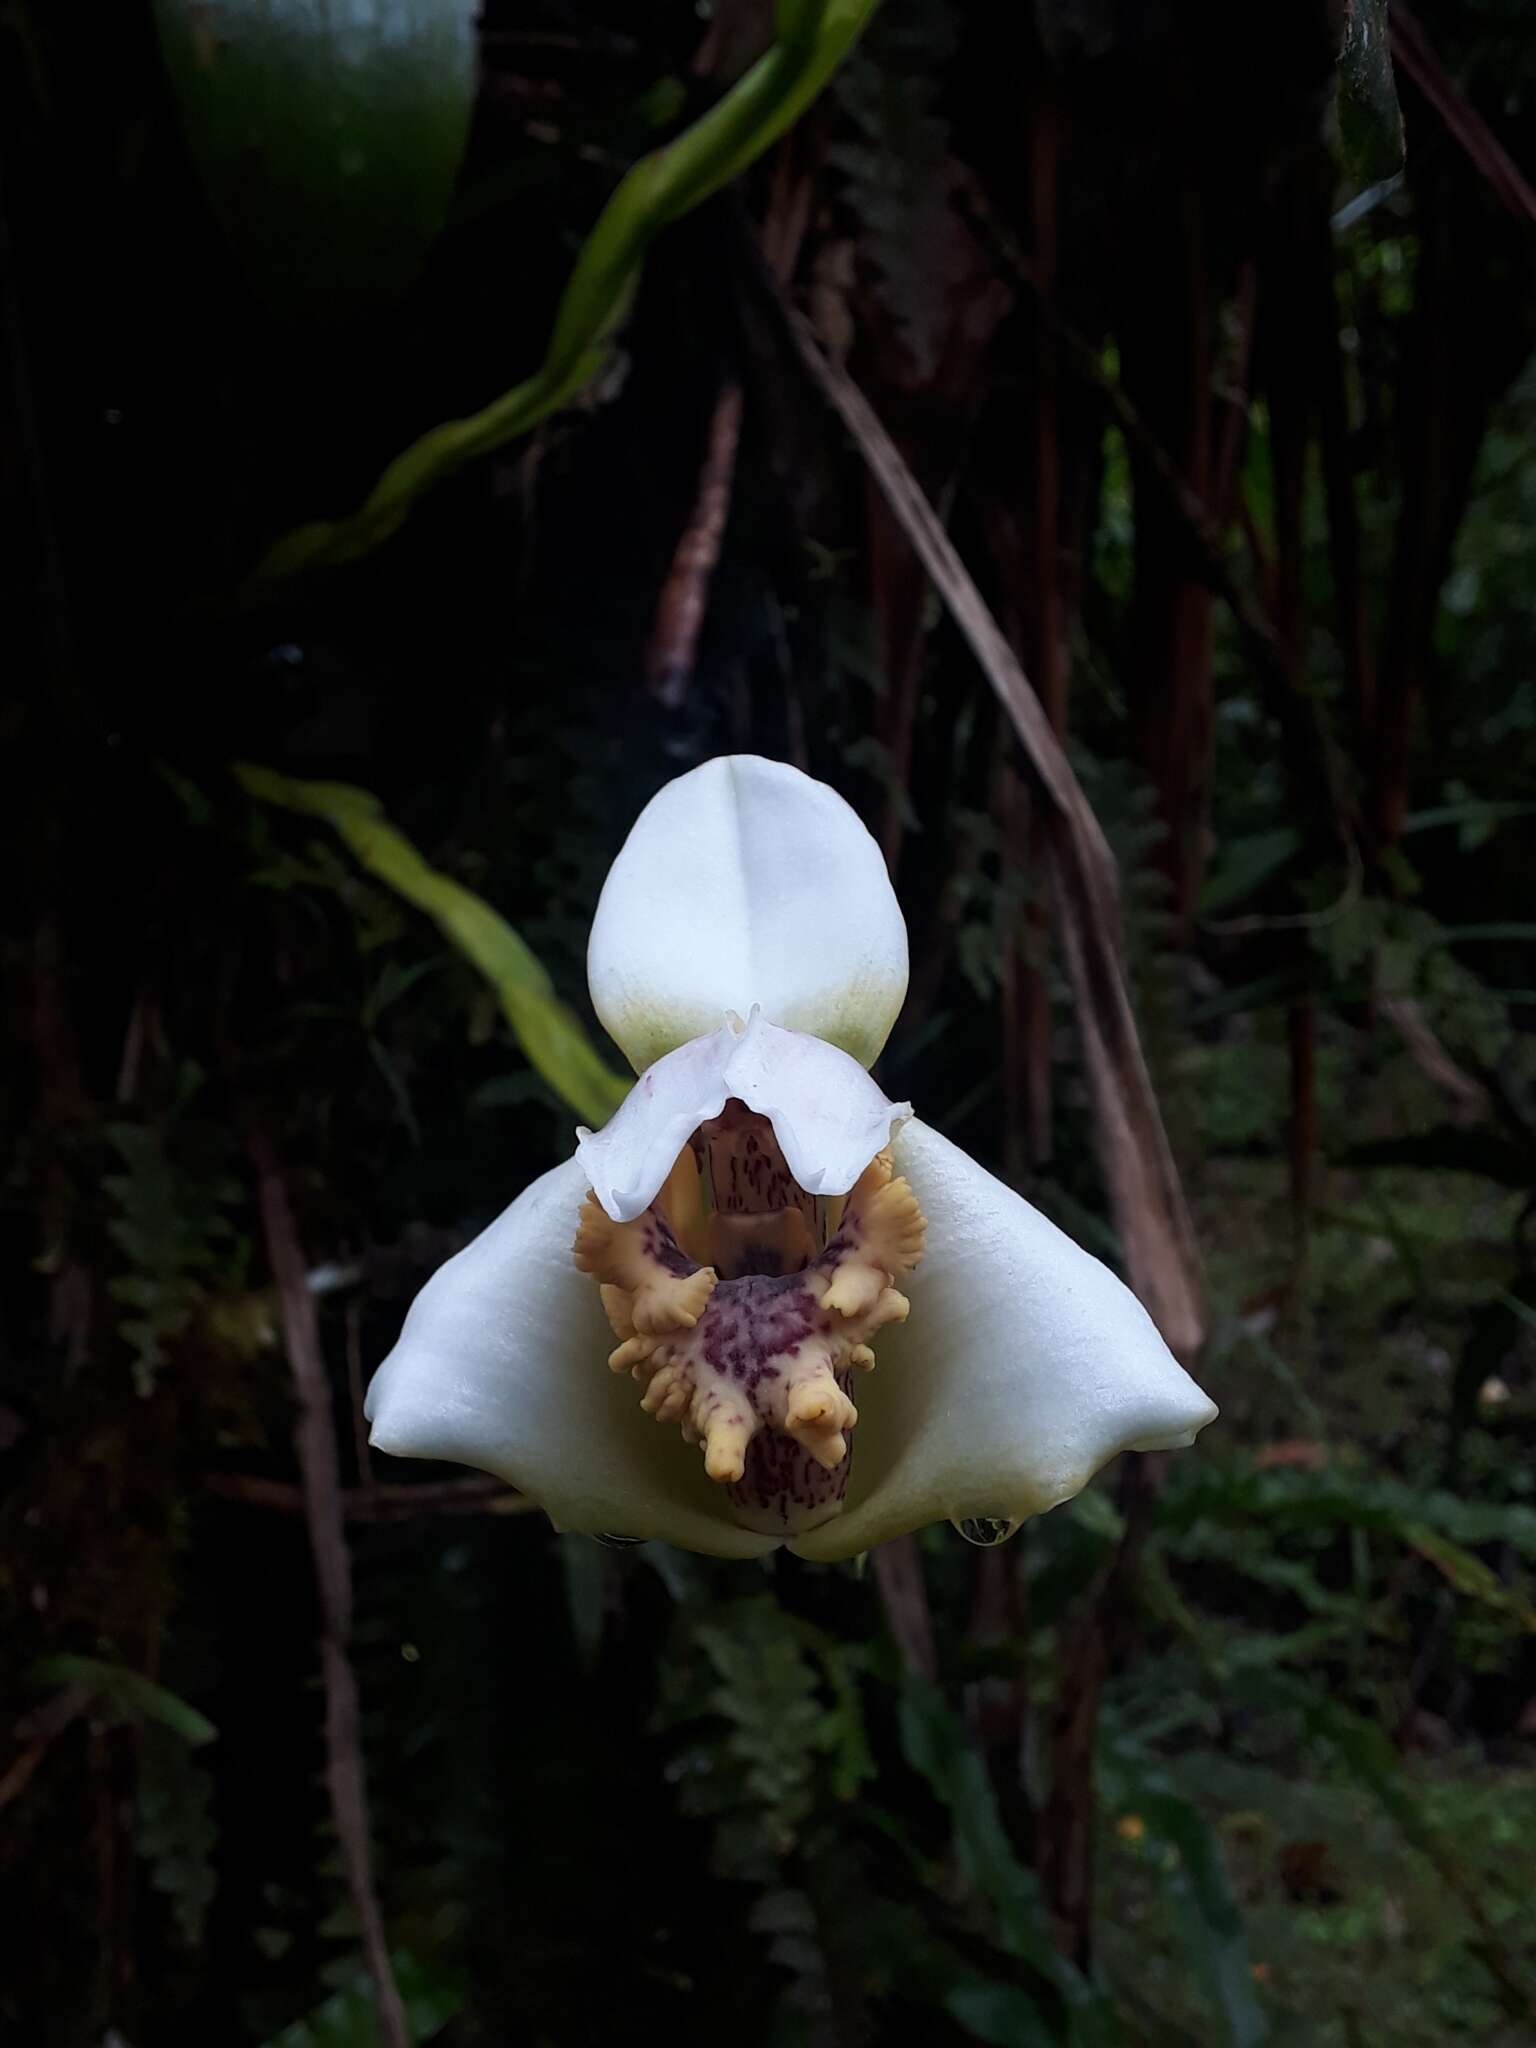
x: 986, y: 1531
x: 611, y: 1542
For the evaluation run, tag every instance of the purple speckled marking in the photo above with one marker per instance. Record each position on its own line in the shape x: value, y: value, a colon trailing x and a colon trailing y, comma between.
x: 749, y: 1336
x: 663, y: 1248
x: 783, y: 1480
x: 754, y: 1320
x: 748, y: 1173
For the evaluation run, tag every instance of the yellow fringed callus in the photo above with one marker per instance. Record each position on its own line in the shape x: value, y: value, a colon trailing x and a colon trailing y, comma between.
x: 878, y: 1242
x: 771, y: 1345
x: 664, y: 1290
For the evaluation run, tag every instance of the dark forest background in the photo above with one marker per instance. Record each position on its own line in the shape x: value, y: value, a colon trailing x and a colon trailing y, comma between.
x: 1208, y: 333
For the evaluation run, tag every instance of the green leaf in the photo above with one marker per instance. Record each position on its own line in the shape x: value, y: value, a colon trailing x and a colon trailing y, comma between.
x: 328, y: 138
x: 1477, y: 818
x: 935, y: 1744
x: 1365, y: 1752
x: 1198, y: 1883
x: 127, y: 1693
x: 550, y: 1036
x: 1370, y: 119
x: 1469, y: 1575
x: 175, y: 1833
x: 347, y: 2019
x: 1338, y: 1498
x: 1000, y: 2013
x: 814, y: 37
x: 1519, y: 934
x: 1244, y: 864
x: 768, y: 1692
x: 1492, y: 1334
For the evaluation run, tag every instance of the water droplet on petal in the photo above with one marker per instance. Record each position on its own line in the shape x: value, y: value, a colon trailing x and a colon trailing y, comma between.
x: 986, y: 1531
x: 611, y: 1542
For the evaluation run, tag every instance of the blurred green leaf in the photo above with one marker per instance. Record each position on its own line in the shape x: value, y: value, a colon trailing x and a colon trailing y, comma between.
x: 813, y: 38
x: 999, y: 2013
x: 1366, y: 1753
x: 1196, y: 1878
x: 1520, y: 933
x: 127, y: 1693
x: 1477, y: 818
x: 347, y: 2019
x: 1492, y: 1334
x: 768, y: 1692
x: 552, y: 1038
x: 1469, y: 1575
x: 1339, y: 1497
x: 1242, y: 866
x: 175, y: 1833
x: 328, y: 138
x: 936, y: 1745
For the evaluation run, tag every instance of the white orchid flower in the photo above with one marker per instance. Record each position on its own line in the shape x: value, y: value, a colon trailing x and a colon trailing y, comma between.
x: 753, y: 1222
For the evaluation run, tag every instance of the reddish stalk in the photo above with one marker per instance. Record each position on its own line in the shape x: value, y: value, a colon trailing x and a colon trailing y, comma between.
x: 315, y: 1443
x: 684, y: 599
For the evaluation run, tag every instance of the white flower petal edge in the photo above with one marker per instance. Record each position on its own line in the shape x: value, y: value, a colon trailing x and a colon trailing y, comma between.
x: 1025, y: 1365
x: 500, y: 1366
x: 829, y: 1117
x: 744, y: 882
x: 626, y: 1162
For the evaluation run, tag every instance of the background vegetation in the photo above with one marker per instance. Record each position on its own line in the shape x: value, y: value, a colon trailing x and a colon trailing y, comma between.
x: 1226, y: 402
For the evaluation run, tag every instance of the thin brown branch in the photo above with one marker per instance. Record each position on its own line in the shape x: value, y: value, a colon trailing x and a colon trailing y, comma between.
x: 1020, y: 988
x: 1143, y: 1181
x: 1470, y: 1101
x: 1050, y: 652
x: 1232, y: 384
x: 1165, y: 330
x: 1088, y: 1655
x: 684, y: 596
x: 1412, y: 49
x: 1309, y: 746
x: 40, y: 1731
x: 1302, y: 1127
x: 997, y: 1708
x: 898, y: 1569
x: 376, y: 1503
x: 315, y: 1442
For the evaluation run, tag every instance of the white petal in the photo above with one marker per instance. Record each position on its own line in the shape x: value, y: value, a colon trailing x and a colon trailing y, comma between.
x: 742, y: 883
x: 827, y: 1114
x: 1024, y: 1366
x: 502, y: 1365
x: 629, y: 1158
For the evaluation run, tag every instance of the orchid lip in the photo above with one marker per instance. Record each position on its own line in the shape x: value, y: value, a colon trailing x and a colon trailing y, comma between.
x: 753, y: 1354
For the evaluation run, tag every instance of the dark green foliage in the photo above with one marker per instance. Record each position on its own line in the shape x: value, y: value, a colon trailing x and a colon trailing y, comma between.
x: 328, y: 141
x: 172, y: 1197
x: 619, y: 1795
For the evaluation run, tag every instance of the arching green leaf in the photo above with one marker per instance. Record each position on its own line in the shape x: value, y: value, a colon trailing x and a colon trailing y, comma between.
x: 552, y: 1038
x: 328, y: 137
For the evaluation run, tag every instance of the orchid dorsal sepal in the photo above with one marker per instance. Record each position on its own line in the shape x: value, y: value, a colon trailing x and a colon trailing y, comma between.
x: 745, y: 883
